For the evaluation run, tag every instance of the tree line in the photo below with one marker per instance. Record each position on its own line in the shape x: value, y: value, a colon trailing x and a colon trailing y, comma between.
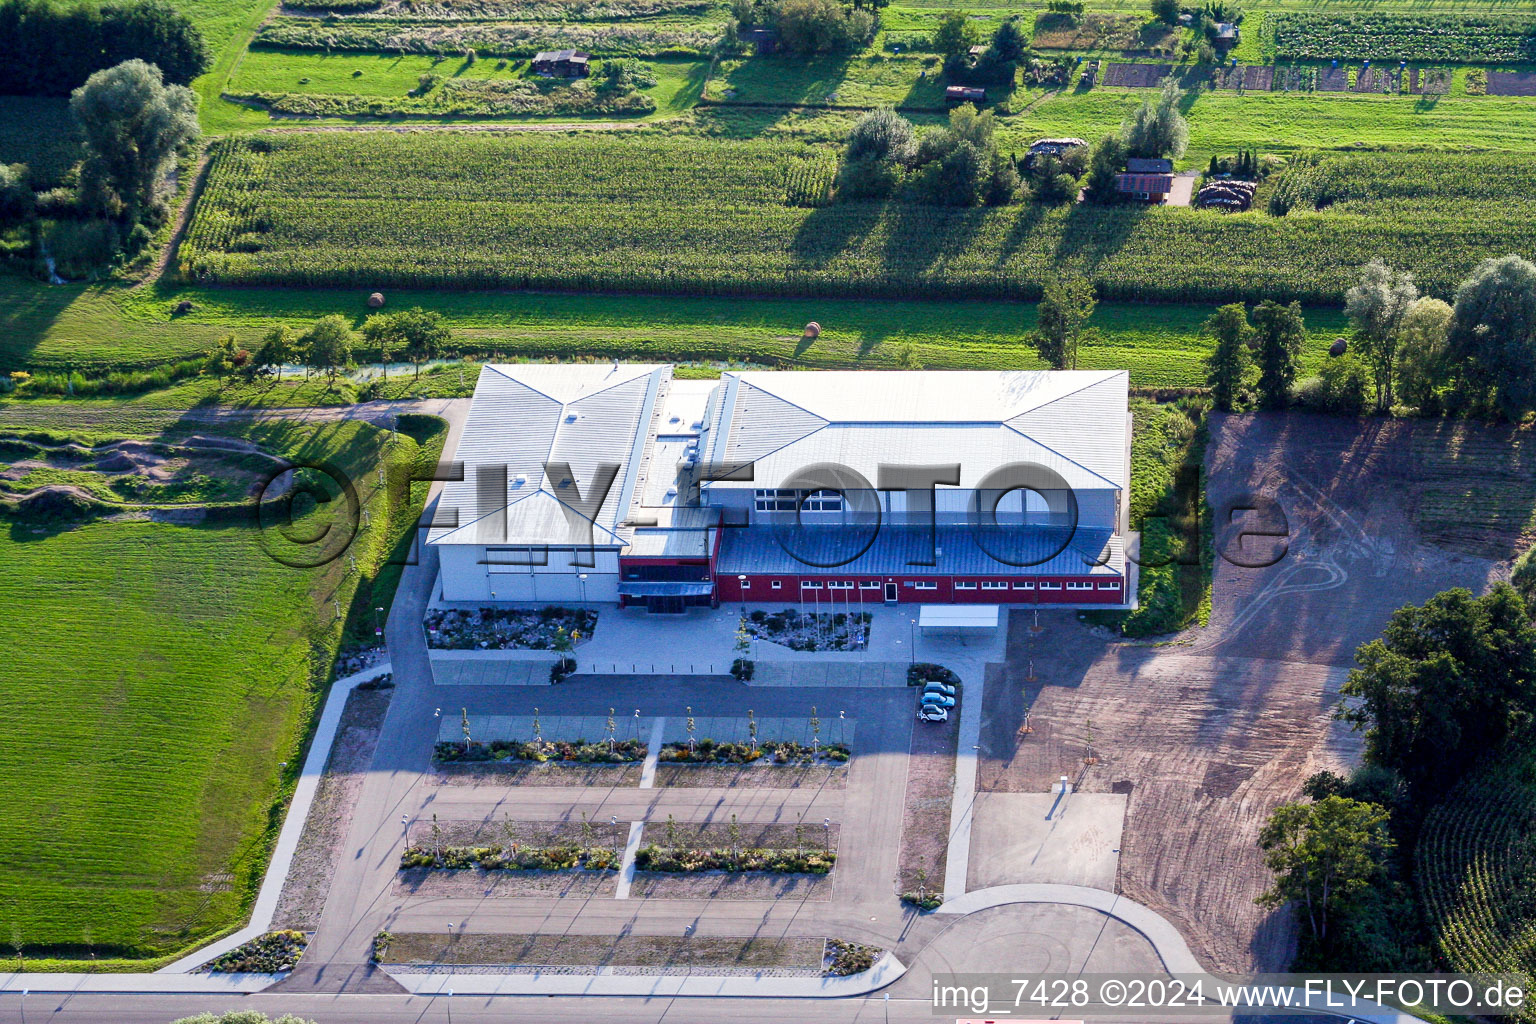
x: 328, y: 347
x: 1407, y: 351
x: 50, y: 49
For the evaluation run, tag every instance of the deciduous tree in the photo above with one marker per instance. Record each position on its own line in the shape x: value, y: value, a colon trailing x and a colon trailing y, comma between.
x: 1448, y: 683
x: 132, y: 123
x: 1063, y: 311
x: 1280, y: 332
x: 1157, y: 128
x: 1491, y: 333
x: 1376, y: 306
x: 329, y: 345
x: 1227, y: 365
x: 1323, y: 855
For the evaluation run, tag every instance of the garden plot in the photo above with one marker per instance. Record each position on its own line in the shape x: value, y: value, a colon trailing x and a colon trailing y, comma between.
x: 508, y: 629
x: 1248, y: 78
x: 1333, y: 79
x: 1429, y: 81
x: 1512, y: 83
x: 1136, y: 76
x: 811, y: 631
x: 1378, y: 80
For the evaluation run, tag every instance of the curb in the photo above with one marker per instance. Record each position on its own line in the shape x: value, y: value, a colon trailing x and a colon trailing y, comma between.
x: 606, y: 983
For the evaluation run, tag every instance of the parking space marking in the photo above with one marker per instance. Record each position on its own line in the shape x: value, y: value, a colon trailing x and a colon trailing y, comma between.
x: 627, y: 868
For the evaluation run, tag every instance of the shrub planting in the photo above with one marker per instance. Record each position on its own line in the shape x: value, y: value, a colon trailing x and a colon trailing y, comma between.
x: 789, y: 862
x: 541, y: 751
x: 707, y: 751
x: 514, y: 858
x: 271, y: 953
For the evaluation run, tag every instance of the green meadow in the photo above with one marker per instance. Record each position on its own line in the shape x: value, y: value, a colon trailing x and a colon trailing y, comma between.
x: 159, y: 678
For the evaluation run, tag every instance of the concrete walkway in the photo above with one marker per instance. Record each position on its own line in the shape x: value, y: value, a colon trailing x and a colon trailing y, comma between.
x: 1164, y: 937
x: 605, y: 982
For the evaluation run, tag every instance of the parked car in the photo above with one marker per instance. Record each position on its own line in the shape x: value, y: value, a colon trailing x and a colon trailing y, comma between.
x: 938, y: 687
x: 938, y: 700
x: 931, y: 713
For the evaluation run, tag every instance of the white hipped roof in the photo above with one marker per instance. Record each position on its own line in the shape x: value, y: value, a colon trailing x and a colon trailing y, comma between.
x: 525, y: 417
x: 1071, y: 421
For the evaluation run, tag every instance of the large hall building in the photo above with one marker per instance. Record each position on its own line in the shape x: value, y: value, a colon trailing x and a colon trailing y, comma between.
x: 623, y: 482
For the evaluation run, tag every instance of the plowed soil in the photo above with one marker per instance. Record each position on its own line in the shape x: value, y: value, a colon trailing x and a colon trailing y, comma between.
x: 1209, y: 734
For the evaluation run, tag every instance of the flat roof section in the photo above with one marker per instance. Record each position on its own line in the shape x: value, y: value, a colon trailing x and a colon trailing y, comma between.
x: 957, y: 616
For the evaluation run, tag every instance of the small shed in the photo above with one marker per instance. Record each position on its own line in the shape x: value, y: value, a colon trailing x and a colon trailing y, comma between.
x: 762, y: 40
x: 1149, y: 188
x: 977, y: 51
x: 562, y: 63
x: 964, y: 94
x: 1226, y: 34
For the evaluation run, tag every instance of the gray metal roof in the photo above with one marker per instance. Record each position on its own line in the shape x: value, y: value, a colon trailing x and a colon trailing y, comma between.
x: 831, y: 550
x: 526, y: 416
x: 786, y: 421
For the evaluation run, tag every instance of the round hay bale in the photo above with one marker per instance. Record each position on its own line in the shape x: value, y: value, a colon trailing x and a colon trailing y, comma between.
x: 1338, y: 348
x: 813, y: 329
x: 375, y: 300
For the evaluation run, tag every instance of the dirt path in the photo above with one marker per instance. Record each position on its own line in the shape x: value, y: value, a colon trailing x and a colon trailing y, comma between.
x: 183, y: 219
x: 397, y: 127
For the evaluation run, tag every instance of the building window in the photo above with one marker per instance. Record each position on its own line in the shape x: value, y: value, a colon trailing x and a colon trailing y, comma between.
x: 781, y: 500
x: 985, y: 585
x: 776, y: 585
x: 1023, y: 586
x: 1109, y: 586
x: 870, y: 586
x: 965, y: 586
x: 746, y: 584
x: 1079, y: 586
x: 1050, y: 586
x: 925, y: 586
x: 840, y: 584
x: 808, y: 585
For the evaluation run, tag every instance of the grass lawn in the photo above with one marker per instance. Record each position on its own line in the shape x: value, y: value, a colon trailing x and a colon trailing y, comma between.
x: 1159, y: 343
x: 158, y: 676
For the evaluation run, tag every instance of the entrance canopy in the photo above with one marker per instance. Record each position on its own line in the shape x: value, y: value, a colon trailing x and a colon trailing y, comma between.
x: 666, y: 588
x: 958, y: 616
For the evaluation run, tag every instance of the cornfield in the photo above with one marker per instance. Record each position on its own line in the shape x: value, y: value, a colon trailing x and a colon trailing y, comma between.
x: 712, y: 217
x: 1476, y: 866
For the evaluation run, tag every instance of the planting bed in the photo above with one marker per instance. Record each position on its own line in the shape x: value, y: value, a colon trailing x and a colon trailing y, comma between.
x: 530, y: 752
x: 1512, y: 83
x: 507, y: 629
x: 812, y: 631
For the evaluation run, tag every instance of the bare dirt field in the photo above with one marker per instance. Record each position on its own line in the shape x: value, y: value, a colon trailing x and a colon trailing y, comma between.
x: 722, y: 885
x: 330, y: 816
x: 1207, y: 735
x: 925, y: 809
x: 428, y: 883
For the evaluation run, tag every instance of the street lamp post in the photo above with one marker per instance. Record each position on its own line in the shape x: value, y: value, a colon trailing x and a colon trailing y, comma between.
x: 912, y: 638
x: 583, y: 579
x: 377, y: 631
x: 741, y: 581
